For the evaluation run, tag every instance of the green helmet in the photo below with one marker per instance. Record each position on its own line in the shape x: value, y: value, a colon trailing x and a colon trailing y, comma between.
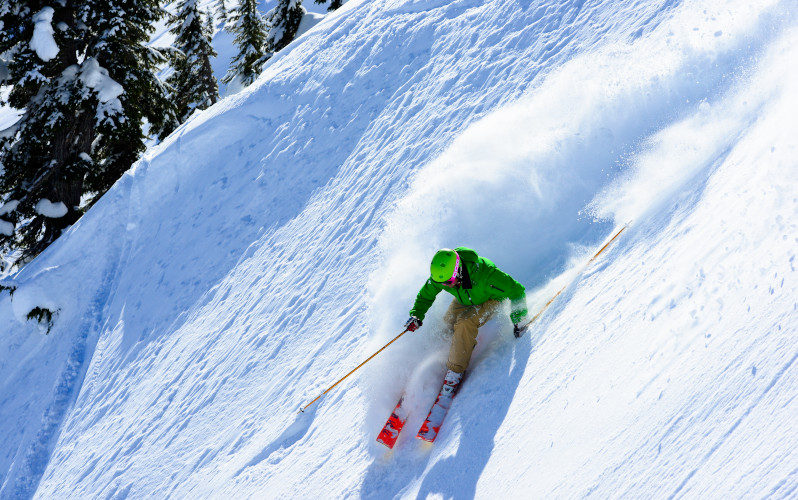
x: 445, y: 265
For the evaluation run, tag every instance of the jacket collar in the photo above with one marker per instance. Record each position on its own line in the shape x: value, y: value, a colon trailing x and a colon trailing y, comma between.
x: 465, y: 279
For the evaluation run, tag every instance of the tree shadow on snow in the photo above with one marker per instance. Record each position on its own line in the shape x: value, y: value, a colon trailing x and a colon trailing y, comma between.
x: 474, y: 419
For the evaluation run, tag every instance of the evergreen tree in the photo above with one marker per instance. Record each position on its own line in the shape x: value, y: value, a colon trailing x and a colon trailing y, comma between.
x: 221, y: 11
x: 193, y: 81
x: 283, y: 23
x: 334, y: 4
x: 250, y: 37
x: 86, y: 81
x: 211, y: 84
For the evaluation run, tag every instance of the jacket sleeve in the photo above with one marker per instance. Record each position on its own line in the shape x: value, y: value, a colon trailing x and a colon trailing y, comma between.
x: 512, y: 290
x: 424, y: 299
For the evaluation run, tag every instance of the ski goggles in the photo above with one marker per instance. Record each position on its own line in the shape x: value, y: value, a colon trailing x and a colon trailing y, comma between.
x: 451, y: 281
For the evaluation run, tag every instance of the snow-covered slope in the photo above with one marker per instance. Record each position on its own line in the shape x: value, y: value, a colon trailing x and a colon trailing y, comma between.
x: 278, y: 239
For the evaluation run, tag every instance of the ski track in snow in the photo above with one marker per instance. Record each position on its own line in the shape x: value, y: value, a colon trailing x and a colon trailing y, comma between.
x: 276, y: 240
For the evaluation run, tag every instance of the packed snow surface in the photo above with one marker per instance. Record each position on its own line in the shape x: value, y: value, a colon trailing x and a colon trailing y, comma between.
x: 278, y: 239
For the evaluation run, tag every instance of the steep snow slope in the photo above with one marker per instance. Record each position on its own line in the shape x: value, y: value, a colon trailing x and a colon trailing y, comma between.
x: 277, y: 239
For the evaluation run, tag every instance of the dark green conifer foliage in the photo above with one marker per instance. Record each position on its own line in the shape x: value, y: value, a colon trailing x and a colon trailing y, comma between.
x: 221, y: 11
x: 334, y: 4
x: 283, y: 22
x: 193, y: 83
x: 250, y: 37
x: 85, y: 99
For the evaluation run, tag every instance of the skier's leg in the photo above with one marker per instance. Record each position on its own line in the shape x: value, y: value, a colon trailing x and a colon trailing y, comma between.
x: 466, y: 328
x: 453, y: 314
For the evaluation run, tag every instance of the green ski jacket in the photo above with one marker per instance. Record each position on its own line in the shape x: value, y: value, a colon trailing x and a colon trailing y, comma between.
x: 482, y: 281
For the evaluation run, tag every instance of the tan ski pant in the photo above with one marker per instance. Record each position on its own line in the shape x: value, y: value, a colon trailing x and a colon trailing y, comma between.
x: 466, y: 321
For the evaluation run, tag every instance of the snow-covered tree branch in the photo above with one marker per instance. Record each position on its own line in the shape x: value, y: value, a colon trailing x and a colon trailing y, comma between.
x: 86, y: 81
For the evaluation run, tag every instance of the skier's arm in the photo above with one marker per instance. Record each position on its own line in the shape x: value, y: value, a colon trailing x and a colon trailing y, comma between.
x: 514, y: 291
x: 424, y: 299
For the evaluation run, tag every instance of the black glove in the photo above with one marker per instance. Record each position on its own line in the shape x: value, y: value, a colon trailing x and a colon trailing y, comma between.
x: 518, y: 331
x: 412, y: 324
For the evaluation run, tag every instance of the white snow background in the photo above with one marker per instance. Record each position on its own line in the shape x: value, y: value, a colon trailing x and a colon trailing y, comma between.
x: 278, y: 239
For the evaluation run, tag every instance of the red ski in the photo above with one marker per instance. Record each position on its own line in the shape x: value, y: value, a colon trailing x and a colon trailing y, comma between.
x: 431, y: 426
x: 390, y: 432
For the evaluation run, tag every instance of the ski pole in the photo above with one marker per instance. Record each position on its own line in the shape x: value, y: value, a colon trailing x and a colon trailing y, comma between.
x: 302, y: 410
x: 535, y: 317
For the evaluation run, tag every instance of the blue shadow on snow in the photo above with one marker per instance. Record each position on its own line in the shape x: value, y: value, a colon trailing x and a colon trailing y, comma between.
x: 456, y: 476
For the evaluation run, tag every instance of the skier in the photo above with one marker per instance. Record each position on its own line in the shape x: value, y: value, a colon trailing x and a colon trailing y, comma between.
x: 478, y: 287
